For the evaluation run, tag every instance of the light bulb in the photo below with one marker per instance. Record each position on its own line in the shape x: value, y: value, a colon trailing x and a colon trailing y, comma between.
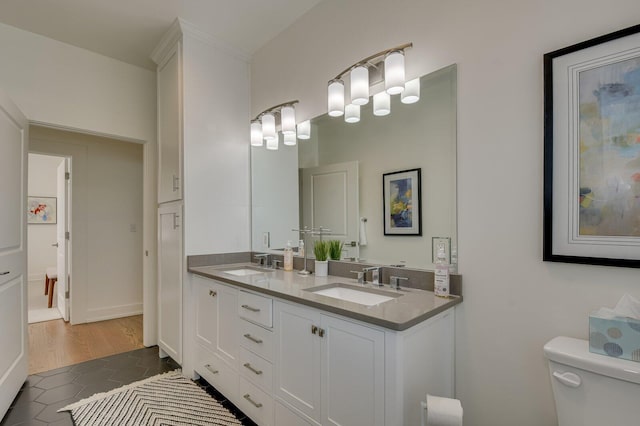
x: 352, y: 113
x: 336, y: 98
x: 304, y: 130
x: 288, y: 120
x: 269, y: 127
x: 411, y: 92
x: 290, y: 139
x: 360, y: 85
x: 256, y: 133
x: 272, y: 144
x: 394, y: 72
x: 381, y: 104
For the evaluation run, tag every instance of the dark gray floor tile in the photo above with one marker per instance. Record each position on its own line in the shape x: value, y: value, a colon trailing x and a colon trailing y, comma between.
x: 50, y: 413
x: 34, y: 422
x: 129, y: 374
x: 94, y: 376
x: 92, y: 365
x: 60, y: 393
x: 32, y: 381
x: 27, y: 395
x: 22, y: 413
x: 65, y: 422
x: 54, y: 372
x: 97, y: 387
x: 57, y: 380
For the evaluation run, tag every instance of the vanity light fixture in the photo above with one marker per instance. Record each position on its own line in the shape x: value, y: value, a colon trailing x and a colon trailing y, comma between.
x: 411, y: 92
x: 352, y: 113
x: 263, y: 127
x: 381, y: 104
x: 390, y: 63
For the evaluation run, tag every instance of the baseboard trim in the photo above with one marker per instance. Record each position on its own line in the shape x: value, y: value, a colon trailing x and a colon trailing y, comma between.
x: 112, y: 312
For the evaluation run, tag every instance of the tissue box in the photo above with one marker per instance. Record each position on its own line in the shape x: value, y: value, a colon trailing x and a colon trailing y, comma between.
x: 618, y: 337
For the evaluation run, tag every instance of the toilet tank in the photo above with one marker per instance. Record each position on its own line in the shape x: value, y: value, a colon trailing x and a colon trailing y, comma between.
x: 591, y: 389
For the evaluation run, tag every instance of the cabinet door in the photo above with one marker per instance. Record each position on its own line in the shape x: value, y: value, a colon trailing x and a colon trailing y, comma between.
x: 297, y: 378
x: 170, y: 127
x: 227, y: 323
x: 206, y: 295
x: 352, y: 374
x: 170, y: 280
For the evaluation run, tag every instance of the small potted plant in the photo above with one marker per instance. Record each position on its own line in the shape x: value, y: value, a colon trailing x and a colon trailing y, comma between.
x: 321, y: 252
x: 335, y: 250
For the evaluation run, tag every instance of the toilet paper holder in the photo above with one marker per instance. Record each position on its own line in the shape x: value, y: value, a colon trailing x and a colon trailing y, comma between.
x: 452, y: 414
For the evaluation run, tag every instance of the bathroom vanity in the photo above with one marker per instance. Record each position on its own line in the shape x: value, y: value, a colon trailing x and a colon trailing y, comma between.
x: 287, y: 355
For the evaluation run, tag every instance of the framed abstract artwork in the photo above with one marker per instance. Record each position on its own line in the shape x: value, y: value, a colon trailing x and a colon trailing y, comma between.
x: 401, y: 199
x: 592, y: 151
x: 42, y: 210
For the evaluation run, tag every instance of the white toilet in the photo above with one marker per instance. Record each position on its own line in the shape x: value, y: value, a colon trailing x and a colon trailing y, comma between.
x: 592, y: 389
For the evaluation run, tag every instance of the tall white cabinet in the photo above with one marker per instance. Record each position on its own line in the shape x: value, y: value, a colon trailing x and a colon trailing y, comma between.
x: 203, y: 170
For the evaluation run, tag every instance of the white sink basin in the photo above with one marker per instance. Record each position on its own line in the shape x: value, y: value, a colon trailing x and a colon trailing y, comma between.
x: 245, y: 271
x: 362, y: 296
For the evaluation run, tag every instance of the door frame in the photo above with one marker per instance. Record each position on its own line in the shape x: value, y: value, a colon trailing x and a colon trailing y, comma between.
x: 149, y: 225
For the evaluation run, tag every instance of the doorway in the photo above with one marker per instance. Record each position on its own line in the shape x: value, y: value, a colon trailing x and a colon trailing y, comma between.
x: 47, y: 258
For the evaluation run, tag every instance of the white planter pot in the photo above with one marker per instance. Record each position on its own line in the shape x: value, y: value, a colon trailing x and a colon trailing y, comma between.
x: 322, y: 268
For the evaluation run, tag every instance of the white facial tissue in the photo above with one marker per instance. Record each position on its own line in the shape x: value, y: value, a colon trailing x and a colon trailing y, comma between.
x: 627, y: 307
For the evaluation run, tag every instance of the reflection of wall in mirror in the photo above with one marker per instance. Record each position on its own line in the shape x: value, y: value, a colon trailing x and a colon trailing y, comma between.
x: 420, y: 135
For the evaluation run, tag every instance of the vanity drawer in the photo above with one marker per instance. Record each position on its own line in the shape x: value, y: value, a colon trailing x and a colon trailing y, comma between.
x: 257, y: 339
x: 217, y: 372
x: 257, y: 309
x: 256, y: 369
x: 255, y: 403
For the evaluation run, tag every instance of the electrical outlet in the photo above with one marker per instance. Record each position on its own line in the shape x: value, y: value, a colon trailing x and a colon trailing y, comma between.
x: 265, y: 240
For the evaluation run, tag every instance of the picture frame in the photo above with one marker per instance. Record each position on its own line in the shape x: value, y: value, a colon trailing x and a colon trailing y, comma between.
x: 42, y: 210
x: 402, y: 208
x: 592, y: 151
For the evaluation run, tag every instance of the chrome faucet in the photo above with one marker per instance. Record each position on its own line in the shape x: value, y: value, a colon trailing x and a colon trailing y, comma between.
x: 264, y: 259
x: 360, y: 275
x: 375, y: 275
x: 394, y: 282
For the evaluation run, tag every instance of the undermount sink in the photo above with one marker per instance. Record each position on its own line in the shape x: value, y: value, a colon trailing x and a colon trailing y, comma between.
x: 356, y: 294
x: 245, y: 271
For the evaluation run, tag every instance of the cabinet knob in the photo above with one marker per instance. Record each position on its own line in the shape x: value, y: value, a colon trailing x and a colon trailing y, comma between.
x: 321, y: 332
x: 314, y: 329
x: 212, y: 293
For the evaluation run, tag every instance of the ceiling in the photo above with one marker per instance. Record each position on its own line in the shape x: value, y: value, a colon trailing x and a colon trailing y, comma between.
x: 128, y: 30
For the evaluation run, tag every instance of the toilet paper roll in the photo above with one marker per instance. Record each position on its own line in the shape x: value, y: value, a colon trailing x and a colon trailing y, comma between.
x: 443, y: 411
x: 363, y: 231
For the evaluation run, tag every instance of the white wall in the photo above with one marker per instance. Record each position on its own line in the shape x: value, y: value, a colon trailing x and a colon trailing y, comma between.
x: 513, y: 302
x: 55, y: 83
x: 216, y: 149
x: 106, y: 224
x: 42, y: 183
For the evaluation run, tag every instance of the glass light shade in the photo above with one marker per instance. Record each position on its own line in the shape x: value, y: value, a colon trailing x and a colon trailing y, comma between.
x: 269, y: 127
x: 256, y: 133
x: 394, y: 72
x: 288, y: 120
x: 411, y: 92
x: 360, y: 85
x: 272, y: 144
x: 304, y: 130
x: 290, y: 139
x: 336, y: 98
x: 381, y: 104
x: 352, y: 113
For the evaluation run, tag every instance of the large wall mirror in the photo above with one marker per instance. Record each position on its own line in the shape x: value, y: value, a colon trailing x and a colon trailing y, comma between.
x: 335, y: 179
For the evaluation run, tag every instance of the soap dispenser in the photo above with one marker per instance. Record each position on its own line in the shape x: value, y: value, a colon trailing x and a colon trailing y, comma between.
x: 288, y: 257
x: 441, y: 282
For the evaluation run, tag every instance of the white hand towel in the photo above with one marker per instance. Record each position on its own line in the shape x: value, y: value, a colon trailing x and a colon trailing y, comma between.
x: 443, y: 411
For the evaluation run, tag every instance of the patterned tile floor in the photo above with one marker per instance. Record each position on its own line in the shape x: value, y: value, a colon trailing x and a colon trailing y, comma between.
x: 44, y: 393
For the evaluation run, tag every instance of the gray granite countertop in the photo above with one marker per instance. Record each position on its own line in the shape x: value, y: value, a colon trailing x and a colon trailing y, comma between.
x: 410, y: 308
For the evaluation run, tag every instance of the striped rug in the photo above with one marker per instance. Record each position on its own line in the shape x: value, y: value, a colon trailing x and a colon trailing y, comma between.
x: 164, y: 400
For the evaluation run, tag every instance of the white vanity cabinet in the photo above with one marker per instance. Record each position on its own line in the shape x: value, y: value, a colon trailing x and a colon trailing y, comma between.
x: 328, y: 369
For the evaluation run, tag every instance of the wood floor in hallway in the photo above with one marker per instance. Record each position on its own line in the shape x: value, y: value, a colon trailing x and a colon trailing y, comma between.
x: 54, y: 344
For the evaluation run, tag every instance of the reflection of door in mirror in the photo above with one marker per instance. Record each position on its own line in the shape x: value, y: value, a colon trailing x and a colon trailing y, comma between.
x: 330, y: 200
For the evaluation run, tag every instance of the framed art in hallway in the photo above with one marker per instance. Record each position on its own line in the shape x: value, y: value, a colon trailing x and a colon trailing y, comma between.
x: 401, y: 199
x: 592, y: 151
x: 42, y: 210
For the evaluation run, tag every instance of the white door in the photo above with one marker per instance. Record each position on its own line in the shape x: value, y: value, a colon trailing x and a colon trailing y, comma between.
x: 330, y: 199
x: 14, y: 141
x: 62, y: 229
x: 170, y: 280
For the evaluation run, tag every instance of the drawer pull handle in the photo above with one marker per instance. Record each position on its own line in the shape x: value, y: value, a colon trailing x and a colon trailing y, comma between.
x: 208, y: 367
x: 5, y: 273
x: 255, y: 404
x: 212, y: 293
x: 253, y: 339
x: 251, y: 308
x: 258, y: 372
